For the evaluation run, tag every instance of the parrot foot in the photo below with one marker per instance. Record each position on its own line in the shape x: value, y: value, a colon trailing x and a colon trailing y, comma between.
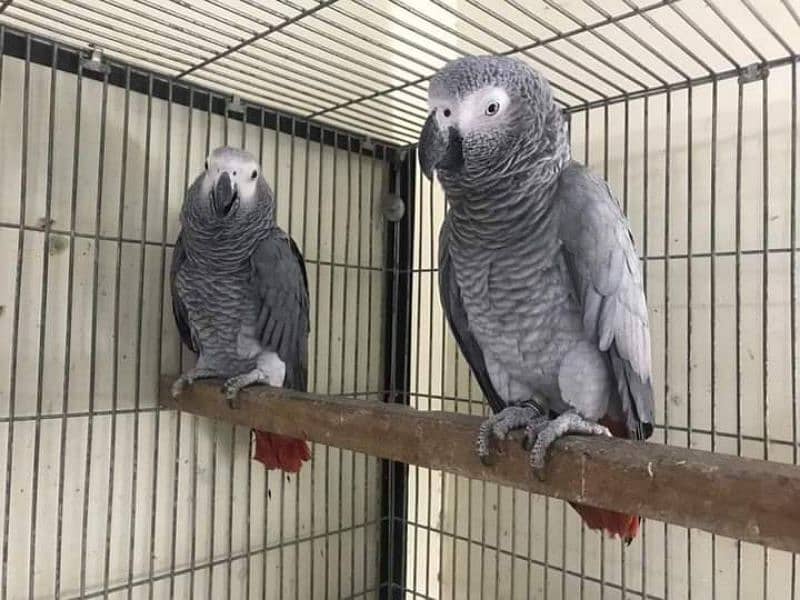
x: 500, y: 425
x: 188, y: 378
x: 232, y: 386
x: 180, y: 384
x: 539, y: 436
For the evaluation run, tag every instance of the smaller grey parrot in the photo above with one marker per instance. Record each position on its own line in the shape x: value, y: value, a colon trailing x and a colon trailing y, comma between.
x: 240, y: 292
x: 538, y: 274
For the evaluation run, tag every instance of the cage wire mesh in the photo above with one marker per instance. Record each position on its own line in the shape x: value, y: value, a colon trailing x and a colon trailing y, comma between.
x: 687, y: 107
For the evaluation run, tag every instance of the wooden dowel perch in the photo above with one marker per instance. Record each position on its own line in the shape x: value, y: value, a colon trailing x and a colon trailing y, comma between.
x: 752, y: 500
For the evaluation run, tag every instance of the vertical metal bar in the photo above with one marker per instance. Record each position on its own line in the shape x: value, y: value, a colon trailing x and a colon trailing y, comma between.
x: 139, y: 337
x: 329, y: 380
x: 456, y: 404
x: 195, y: 419
x: 267, y: 492
x: 397, y: 330
x: 605, y: 176
x: 625, y: 174
x: 738, y: 304
x: 140, y: 318
x: 316, y: 338
x: 417, y: 370
x: 231, y: 428
x: 345, y: 272
x: 93, y: 350
x: 115, y: 351
x: 68, y: 333
x: 357, y: 329
x: 429, y: 521
x: 177, y: 415
x: 407, y: 178
x: 432, y: 274
x: 765, y: 288
x: 281, y: 548
x: 249, y: 486
x: 793, y: 291
x: 667, y: 189
x: 586, y: 144
x: 215, y: 425
x: 42, y: 320
x: 645, y: 254
x: 713, y: 298
x: 12, y: 390
x: 297, y: 479
x: 370, y: 275
x: 689, y: 308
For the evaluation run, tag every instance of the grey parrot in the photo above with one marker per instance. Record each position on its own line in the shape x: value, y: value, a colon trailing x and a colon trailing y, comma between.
x: 538, y: 275
x: 240, y: 292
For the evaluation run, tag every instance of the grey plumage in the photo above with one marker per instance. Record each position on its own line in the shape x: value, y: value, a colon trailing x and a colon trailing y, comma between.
x: 538, y: 274
x: 239, y: 285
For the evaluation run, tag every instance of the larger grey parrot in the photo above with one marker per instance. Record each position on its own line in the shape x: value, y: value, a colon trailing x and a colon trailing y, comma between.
x: 240, y: 291
x: 538, y: 274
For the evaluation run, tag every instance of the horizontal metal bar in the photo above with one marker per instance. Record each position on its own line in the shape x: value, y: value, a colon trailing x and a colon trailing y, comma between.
x: 516, y: 555
x: 69, y: 58
x: 751, y: 500
x: 256, y: 37
x: 225, y: 559
x: 783, y: 61
x: 538, y: 43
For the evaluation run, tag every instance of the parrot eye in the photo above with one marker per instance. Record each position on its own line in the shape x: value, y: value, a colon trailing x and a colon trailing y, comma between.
x: 492, y: 108
x: 446, y: 112
x: 254, y: 174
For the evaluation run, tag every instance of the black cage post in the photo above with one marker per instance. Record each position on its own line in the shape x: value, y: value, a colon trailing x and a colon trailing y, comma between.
x: 397, y: 371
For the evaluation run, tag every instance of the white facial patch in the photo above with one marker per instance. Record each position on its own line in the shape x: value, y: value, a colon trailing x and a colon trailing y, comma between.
x: 244, y: 174
x: 482, y: 108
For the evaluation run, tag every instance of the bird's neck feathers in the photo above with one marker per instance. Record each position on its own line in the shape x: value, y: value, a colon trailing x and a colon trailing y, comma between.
x: 225, y: 245
x: 514, y: 203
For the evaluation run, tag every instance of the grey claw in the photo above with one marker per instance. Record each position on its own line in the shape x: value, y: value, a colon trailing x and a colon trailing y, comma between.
x: 532, y: 432
x: 232, y: 395
x: 547, y: 433
x: 500, y: 425
x: 487, y: 460
x: 180, y: 384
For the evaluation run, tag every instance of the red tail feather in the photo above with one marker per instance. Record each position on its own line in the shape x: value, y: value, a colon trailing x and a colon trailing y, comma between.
x: 615, y: 523
x: 280, y: 452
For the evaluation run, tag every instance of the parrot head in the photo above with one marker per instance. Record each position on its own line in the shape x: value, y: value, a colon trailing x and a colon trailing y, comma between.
x: 231, y: 190
x: 488, y: 115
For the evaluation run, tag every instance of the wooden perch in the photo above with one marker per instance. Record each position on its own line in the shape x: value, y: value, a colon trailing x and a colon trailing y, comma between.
x: 752, y: 500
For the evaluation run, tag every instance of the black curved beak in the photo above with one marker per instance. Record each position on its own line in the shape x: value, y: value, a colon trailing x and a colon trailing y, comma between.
x: 439, y: 149
x: 223, y: 195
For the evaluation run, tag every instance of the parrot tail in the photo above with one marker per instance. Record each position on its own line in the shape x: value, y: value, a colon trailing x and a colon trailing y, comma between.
x: 280, y: 452
x: 615, y: 523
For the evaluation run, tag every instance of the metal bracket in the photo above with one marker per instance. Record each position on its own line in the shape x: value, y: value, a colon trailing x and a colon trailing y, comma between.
x: 754, y: 72
x: 235, y: 105
x: 95, y: 61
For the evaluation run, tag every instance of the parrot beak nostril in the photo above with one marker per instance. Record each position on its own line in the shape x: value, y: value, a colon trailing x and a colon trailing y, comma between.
x: 438, y: 148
